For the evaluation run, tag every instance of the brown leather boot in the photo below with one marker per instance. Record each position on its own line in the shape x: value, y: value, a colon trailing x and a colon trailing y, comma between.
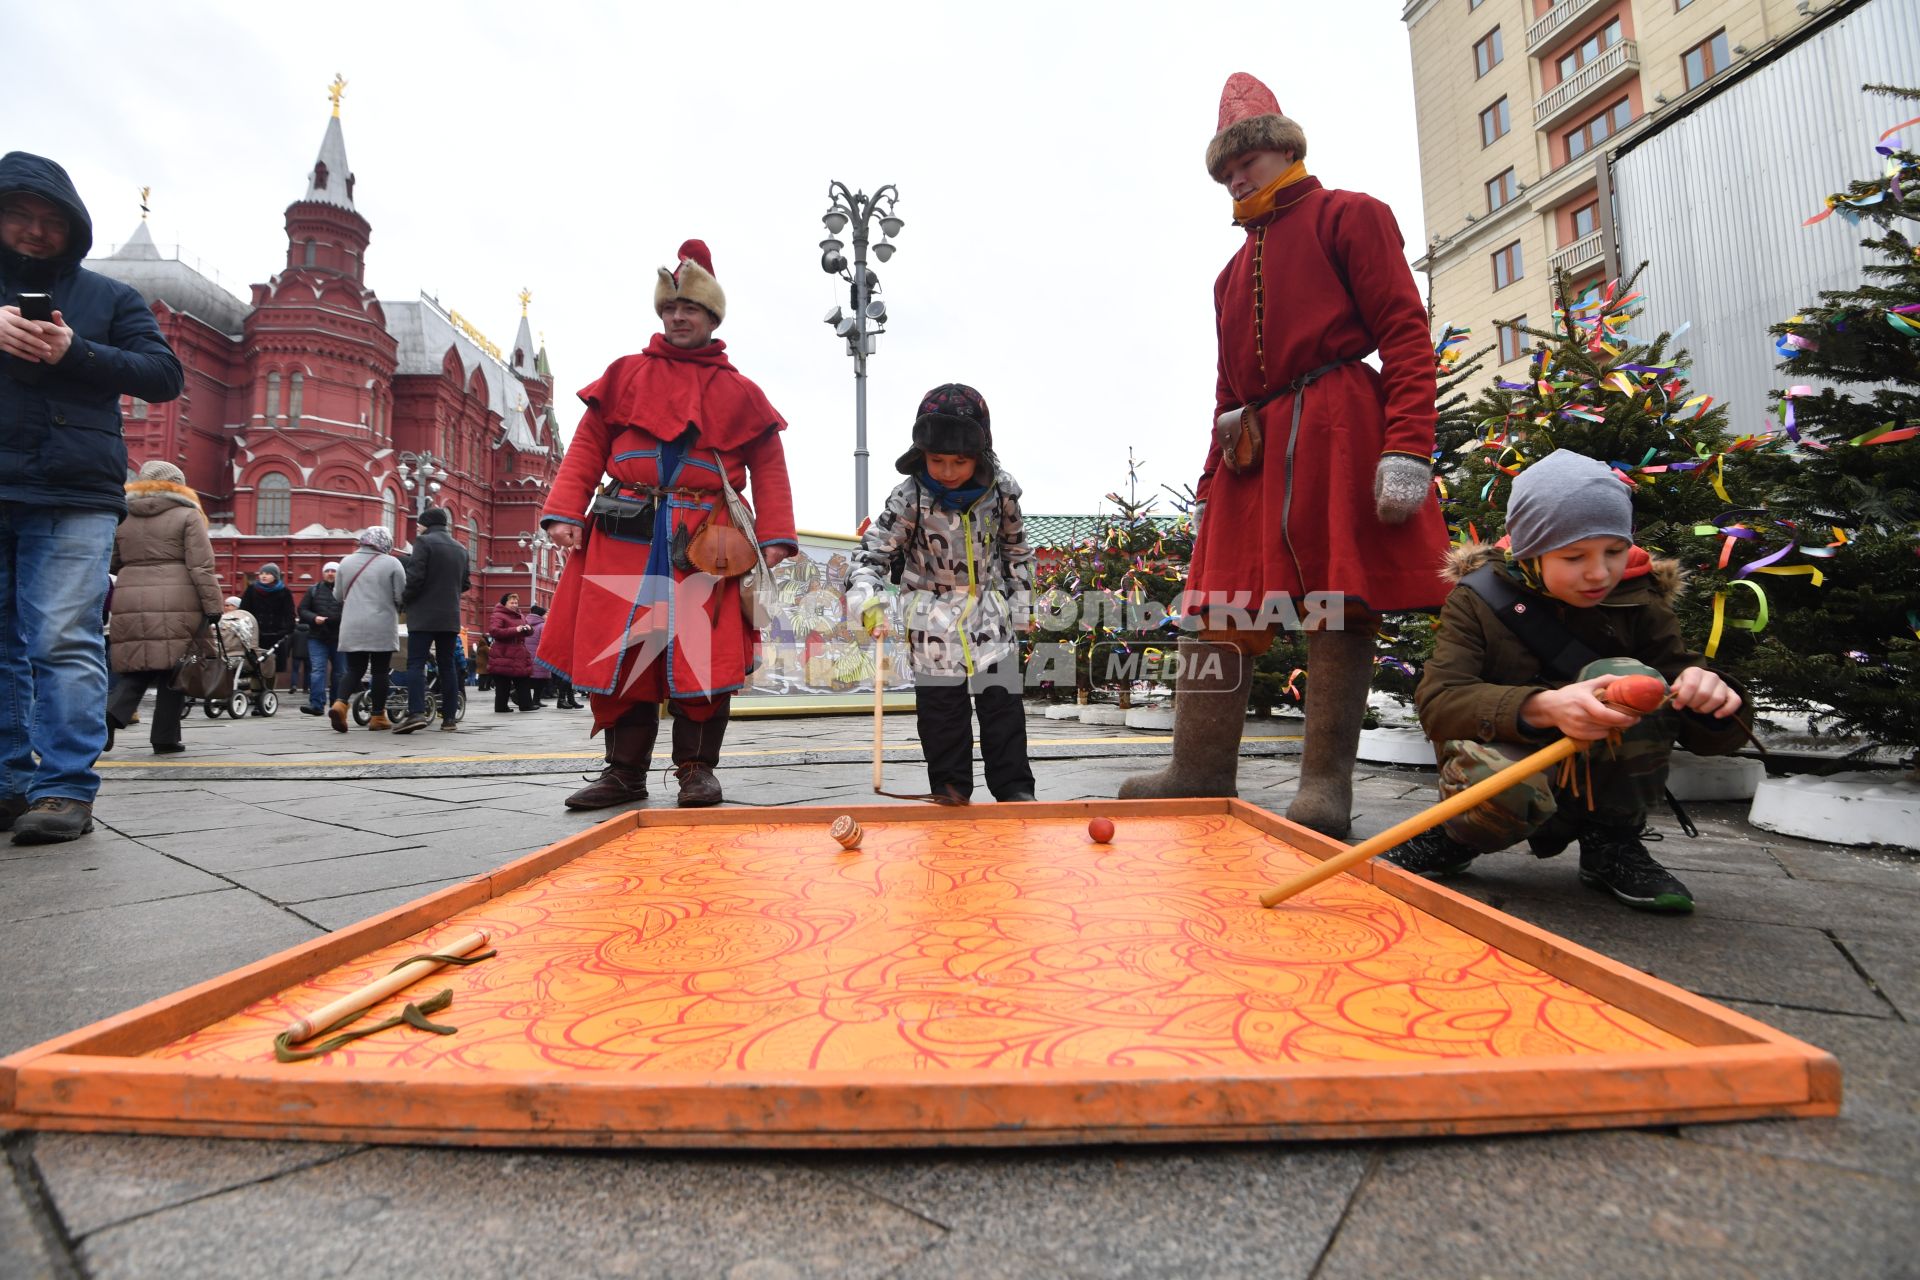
x: 378, y: 722
x: 696, y: 752
x: 1209, y: 715
x: 629, y: 756
x: 1339, y: 672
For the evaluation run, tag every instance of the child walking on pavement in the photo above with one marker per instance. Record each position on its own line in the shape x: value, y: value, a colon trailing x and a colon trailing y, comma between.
x: 1526, y: 640
x: 954, y: 530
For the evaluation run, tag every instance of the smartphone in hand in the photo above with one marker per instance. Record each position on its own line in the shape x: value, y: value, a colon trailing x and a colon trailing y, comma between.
x: 36, y: 306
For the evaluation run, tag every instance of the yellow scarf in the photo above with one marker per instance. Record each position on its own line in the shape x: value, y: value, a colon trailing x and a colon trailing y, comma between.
x: 1262, y: 201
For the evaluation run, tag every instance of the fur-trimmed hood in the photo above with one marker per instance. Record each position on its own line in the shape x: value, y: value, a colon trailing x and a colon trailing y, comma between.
x: 1660, y: 579
x: 151, y: 497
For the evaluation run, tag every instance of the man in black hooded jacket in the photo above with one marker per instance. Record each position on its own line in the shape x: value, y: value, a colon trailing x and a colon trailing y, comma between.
x: 63, y: 463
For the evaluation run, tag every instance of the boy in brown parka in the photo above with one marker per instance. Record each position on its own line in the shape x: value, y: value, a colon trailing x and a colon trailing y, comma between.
x: 1573, y: 586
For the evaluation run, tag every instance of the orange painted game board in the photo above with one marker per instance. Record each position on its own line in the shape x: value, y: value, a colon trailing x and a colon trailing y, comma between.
x: 985, y: 975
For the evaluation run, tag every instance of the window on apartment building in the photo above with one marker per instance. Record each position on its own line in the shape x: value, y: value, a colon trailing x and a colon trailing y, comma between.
x: 1586, y: 220
x: 1705, y: 60
x: 272, y: 506
x: 1487, y: 52
x: 293, y: 400
x: 1506, y: 266
x: 1589, y: 49
x: 1598, y: 129
x: 1494, y: 123
x: 1502, y: 190
x: 1513, y: 339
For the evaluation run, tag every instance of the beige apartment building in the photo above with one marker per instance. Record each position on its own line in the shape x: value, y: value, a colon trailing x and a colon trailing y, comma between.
x: 1519, y: 103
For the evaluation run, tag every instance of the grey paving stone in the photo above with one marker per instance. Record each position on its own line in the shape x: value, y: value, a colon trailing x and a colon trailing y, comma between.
x: 338, y: 913
x: 190, y: 812
x: 24, y: 1254
x: 1878, y: 1128
x: 362, y: 873
x: 1627, y: 1205
x: 1725, y: 958
x: 1894, y: 966
x: 285, y: 843
x: 1834, y: 862
x: 100, y: 870
x: 449, y: 818
x: 66, y: 971
x: 412, y: 1213
x: 1255, y: 1211
x: 96, y: 1180
x: 963, y: 1257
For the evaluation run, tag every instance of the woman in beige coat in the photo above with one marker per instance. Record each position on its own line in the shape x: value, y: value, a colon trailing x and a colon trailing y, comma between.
x: 165, y: 595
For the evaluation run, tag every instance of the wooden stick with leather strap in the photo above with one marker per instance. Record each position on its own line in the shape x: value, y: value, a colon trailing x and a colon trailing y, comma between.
x: 1641, y: 695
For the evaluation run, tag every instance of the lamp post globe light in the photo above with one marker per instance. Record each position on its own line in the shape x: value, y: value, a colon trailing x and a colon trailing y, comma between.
x: 539, y: 544
x: 420, y: 474
x: 868, y: 318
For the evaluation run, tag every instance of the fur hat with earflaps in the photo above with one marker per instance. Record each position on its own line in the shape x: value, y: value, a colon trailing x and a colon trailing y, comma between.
x: 693, y: 280
x: 1251, y: 120
x: 953, y: 418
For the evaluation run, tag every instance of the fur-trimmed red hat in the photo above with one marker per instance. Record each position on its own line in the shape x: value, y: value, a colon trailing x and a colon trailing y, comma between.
x: 1251, y: 120
x: 693, y: 280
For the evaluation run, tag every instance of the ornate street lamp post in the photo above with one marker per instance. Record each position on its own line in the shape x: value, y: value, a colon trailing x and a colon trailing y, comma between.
x: 538, y: 544
x: 420, y: 474
x: 869, y: 317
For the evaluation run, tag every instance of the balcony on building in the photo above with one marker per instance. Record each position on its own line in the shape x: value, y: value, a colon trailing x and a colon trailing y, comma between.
x: 1581, y: 254
x: 1557, y: 21
x: 1614, y: 67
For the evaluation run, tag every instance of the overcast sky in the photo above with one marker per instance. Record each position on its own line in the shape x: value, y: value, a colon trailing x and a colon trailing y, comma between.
x: 1062, y: 234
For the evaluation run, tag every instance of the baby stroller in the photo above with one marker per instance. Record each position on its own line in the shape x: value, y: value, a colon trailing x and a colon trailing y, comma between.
x: 397, y: 695
x: 253, y: 668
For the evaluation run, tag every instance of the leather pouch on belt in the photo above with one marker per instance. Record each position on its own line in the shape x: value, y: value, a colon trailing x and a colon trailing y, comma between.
x: 623, y: 517
x: 1241, y: 439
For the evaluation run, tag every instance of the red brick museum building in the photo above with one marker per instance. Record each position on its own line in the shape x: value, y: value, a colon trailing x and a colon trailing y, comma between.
x: 310, y: 407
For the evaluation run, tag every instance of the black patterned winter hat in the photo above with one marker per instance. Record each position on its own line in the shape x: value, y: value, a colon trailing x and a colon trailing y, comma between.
x: 953, y: 418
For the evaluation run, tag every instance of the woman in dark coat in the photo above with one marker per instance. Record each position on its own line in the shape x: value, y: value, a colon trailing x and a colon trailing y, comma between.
x: 271, y: 604
x: 164, y: 597
x: 509, y: 663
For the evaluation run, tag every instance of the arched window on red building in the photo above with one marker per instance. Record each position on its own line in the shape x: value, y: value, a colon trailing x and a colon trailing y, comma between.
x: 273, y: 505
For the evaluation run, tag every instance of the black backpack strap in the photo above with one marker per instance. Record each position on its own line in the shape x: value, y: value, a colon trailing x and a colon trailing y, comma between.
x: 1562, y: 655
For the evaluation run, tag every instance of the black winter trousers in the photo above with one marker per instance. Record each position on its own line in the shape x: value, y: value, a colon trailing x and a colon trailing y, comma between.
x: 945, y: 721
x: 169, y: 704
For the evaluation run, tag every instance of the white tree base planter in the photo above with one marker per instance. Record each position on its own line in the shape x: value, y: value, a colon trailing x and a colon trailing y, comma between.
x: 1692, y: 777
x: 1066, y: 711
x: 1396, y: 746
x: 1844, y: 808
x: 1102, y: 715
x: 1159, y: 719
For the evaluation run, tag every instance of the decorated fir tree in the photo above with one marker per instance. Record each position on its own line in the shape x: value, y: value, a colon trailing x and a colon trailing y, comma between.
x: 1597, y: 388
x: 1847, y: 492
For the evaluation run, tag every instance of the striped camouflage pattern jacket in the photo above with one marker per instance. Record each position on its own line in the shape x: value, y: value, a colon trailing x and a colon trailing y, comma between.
x: 967, y: 582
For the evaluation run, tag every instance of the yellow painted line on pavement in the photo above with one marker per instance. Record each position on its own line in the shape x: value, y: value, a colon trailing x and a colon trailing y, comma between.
x: 863, y: 749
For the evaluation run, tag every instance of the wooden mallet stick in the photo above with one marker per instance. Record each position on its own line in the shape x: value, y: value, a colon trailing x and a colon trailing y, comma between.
x: 879, y: 694
x: 1640, y: 694
x: 374, y: 992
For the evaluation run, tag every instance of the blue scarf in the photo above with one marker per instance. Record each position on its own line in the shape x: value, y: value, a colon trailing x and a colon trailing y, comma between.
x: 952, y: 499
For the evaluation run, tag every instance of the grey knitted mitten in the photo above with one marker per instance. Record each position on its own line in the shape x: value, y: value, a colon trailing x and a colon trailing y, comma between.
x: 1400, y: 487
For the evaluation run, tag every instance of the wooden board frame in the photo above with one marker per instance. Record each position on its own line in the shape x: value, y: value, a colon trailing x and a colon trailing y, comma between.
x: 1737, y: 1068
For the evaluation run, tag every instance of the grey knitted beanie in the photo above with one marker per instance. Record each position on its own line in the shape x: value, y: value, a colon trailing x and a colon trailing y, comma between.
x: 1563, y: 498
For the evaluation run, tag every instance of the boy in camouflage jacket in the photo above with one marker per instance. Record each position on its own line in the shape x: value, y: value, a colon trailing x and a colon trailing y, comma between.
x: 1488, y: 699
x: 954, y: 531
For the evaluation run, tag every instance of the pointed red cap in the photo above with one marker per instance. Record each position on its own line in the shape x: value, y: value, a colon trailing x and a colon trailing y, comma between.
x: 1243, y: 98
x: 697, y: 250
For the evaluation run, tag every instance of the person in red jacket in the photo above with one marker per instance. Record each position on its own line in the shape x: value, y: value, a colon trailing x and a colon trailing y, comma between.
x: 510, y: 662
x: 633, y: 623
x: 1318, y: 475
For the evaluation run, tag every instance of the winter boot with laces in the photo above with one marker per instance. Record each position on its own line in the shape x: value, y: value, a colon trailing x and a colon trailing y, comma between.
x: 1433, y: 854
x: 629, y: 753
x: 1613, y: 859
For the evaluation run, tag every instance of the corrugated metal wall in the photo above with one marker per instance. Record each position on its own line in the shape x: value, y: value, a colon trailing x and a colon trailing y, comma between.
x: 1715, y: 201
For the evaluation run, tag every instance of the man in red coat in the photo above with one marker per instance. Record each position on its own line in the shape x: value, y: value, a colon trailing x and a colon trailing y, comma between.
x: 1336, y: 495
x: 633, y: 622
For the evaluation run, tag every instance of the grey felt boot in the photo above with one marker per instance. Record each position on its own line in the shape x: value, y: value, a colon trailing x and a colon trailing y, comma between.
x: 1209, y: 715
x: 1339, y: 671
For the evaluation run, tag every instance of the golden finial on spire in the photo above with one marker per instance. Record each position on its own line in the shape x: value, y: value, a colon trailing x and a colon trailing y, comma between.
x: 334, y: 90
x: 144, y: 193
x: 526, y: 296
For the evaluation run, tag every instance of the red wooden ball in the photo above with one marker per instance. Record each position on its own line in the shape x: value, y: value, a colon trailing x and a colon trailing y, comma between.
x: 1100, y: 830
